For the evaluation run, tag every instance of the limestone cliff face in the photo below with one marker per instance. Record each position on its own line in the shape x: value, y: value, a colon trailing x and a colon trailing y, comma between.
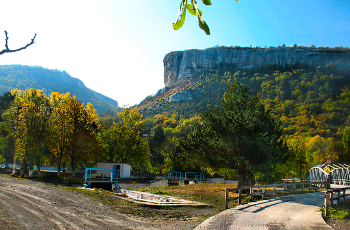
x: 183, y: 64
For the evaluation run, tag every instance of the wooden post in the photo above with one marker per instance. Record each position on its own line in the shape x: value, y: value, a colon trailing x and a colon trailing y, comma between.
x: 338, y: 200
x: 332, y: 194
x: 227, y: 192
x: 252, y: 192
x: 310, y: 186
x: 284, y: 189
x: 274, y: 191
x: 239, y: 196
x: 302, y: 187
x: 263, y: 193
x: 327, y: 203
x: 294, y: 186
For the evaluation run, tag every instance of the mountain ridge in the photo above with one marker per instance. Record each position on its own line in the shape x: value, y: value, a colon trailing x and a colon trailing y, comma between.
x: 49, y: 80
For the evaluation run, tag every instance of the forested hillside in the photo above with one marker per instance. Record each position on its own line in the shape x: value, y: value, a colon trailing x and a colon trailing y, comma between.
x: 311, y: 103
x: 26, y: 77
x: 309, y: 100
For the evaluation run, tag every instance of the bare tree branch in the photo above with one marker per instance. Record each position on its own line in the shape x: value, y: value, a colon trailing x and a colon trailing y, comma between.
x: 7, y: 50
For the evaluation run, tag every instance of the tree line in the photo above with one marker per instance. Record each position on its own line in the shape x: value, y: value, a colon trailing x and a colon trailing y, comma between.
x: 61, y: 131
x: 280, y: 125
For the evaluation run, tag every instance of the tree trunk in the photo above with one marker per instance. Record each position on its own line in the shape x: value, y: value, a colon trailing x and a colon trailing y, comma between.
x: 30, y: 173
x: 111, y: 157
x: 59, y: 166
x: 239, y: 171
x: 24, y: 168
x: 239, y: 175
x: 38, y: 165
x: 73, y: 166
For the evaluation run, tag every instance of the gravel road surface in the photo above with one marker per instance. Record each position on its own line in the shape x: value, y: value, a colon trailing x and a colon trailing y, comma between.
x: 26, y: 204
x: 301, y: 211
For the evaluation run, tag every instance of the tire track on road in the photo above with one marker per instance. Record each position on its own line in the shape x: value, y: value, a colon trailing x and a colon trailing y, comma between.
x: 55, y: 211
x: 48, y: 215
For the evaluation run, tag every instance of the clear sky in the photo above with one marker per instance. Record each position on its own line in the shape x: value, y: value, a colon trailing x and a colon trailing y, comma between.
x: 117, y: 47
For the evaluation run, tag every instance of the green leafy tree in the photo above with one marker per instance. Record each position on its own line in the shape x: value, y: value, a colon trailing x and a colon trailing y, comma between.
x: 297, y: 154
x: 346, y: 139
x: 108, y: 137
x: 239, y: 135
x: 346, y: 142
x: 156, y: 147
x: 134, y: 147
x: 123, y: 142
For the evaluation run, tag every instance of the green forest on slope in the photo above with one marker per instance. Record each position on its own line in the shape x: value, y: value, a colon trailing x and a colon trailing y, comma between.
x: 312, y: 103
x: 308, y: 100
x: 26, y: 77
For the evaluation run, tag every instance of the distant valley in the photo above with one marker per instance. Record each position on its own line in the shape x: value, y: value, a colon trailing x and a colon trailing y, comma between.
x: 48, y: 80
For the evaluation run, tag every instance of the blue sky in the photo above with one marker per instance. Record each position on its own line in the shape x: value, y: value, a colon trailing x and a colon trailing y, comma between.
x: 117, y: 47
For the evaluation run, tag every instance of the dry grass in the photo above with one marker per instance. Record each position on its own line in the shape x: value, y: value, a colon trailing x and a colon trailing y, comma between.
x: 210, y: 193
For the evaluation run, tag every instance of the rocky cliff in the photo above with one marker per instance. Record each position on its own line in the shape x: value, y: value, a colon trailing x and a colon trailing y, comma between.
x: 183, y: 64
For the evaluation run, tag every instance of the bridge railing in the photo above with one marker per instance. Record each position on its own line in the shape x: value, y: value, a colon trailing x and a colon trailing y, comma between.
x: 268, y: 190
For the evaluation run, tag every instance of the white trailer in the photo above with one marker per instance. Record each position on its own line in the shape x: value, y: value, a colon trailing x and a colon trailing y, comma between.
x: 123, y: 167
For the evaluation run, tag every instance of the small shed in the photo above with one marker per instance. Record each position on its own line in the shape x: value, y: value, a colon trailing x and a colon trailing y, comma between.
x: 123, y: 167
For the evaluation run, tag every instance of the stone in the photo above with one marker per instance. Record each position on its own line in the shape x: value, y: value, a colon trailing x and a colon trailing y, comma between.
x: 182, y: 96
x: 179, y: 65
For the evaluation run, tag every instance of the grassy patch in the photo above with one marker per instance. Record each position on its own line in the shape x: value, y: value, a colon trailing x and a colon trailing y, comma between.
x: 100, y: 195
x: 341, y: 212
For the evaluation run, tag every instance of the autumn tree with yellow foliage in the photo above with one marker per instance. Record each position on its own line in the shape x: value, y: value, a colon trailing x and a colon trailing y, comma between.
x: 74, y: 136
x: 61, y: 127
x: 33, y: 126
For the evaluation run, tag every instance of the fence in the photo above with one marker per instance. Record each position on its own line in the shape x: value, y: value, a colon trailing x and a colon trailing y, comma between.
x: 91, y: 177
x: 329, y: 198
x: 178, y: 176
x: 274, y: 189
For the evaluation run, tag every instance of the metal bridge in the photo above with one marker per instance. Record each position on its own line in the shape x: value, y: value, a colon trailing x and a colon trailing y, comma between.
x: 331, y: 173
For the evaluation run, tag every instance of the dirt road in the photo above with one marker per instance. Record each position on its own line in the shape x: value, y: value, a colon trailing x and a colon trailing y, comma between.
x: 26, y: 204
